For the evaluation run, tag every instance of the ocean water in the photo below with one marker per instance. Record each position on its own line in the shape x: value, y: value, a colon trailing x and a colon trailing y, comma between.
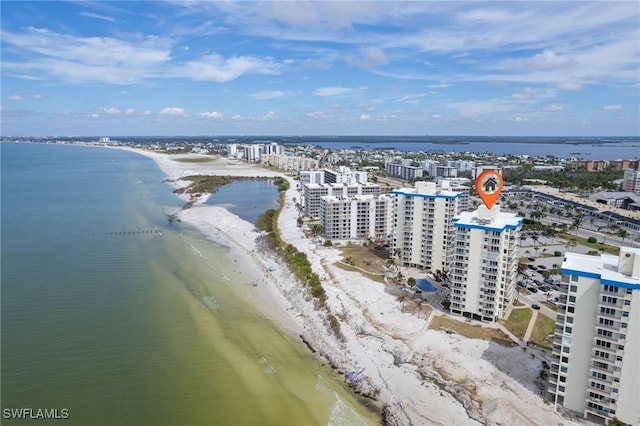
x: 112, y: 313
x: 233, y: 197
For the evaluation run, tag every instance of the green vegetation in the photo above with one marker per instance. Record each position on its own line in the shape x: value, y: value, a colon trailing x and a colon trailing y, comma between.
x: 375, y: 277
x: 542, y: 328
x: 572, y: 180
x: 518, y: 322
x: 365, y: 257
x: 297, y: 261
x: 471, y: 331
x: 597, y: 246
x: 194, y: 159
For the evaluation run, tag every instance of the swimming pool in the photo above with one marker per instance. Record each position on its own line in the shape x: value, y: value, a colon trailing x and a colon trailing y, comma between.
x: 425, y: 285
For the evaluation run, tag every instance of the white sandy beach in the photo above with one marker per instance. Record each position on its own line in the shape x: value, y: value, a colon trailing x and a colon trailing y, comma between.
x: 424, y: 377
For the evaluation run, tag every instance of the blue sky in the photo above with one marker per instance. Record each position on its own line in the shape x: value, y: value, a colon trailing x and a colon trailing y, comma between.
x: 320, y: 68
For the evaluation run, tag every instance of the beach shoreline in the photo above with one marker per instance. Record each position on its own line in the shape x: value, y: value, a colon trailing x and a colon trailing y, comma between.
x: 393, y: 355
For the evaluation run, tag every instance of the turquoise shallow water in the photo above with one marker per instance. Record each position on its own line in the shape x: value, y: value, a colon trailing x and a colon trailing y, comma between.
x: 121, y: 318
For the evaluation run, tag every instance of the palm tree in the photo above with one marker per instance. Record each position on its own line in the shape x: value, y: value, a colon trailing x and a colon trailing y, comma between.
x: 623, y: 234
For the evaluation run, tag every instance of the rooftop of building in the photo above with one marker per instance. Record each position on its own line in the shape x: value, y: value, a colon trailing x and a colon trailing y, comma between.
x: 610, y: 269
x: 488, y: 219
x: 429, y: 190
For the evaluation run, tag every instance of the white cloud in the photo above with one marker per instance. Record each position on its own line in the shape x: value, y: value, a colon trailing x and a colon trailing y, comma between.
x: 269, y: 115
x: 332, y: 91
x: 370, y: 57
x: 477, y: 108
x: 314, y: 64
x: 319, y: 114
x: 110, y: 111
x: 436, y: 116
x: 211, y: 114
x: 547, y: 60
x: 271, y: 94
x: 15, y: 98
x: 413, y: 98
x: 173, y: 111
x: 130, y: 111
x: 553, y: 108
x: 96, y: 16
x: 615, y: 107
x: 37, y: 97
x: 365, y: 117
x: 72, y: 58
x: 218, y: 69
x: 570, y: 86
x: 94, y: 115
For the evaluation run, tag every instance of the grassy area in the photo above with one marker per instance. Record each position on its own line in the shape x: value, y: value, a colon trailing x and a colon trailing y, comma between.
x: 518, y: 321
x: 194, y: 159
x: 364, y: 257
x: 375, y: 277
x: 542, y: 328
x: 596, y: 246
x: 472, y: 331
x: 550, y: 305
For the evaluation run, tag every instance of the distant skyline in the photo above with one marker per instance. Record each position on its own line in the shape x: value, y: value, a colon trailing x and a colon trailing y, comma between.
x: 520, y: 68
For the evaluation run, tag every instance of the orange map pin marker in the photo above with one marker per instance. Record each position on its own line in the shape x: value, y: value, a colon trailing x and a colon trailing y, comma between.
x: 489, y: 185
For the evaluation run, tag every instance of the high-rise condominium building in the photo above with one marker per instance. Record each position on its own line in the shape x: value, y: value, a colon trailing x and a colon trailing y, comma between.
x: 596, y: 365
x: 313, y: 191
x: 356, y: 217
x: 631, y: 181
x: 484, y: 265
x: 423, y: 228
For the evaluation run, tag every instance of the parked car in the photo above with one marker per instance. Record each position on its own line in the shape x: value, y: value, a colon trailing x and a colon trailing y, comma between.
x: 532, y: 259
x: 533, y: 267
x: 551, y: 281
x: 536, y: 307
x: 522, y: 284
x: 532, y: 289
x: 537, y: 282
x: 542, y: 267
x: 545, y: 288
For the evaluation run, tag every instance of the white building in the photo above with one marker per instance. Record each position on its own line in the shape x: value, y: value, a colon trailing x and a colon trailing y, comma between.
x: 252, y: 153
x: 356, y: 218
x: 479, y: 169
x: 288, y: 162
x: 345, y: 175
x: 631, y: 181
x: 484, y: 266
x: 423, y: 227
x: 438, y: 170
x: 313, y: 192
x: 462, y: 165
x: 404, y: 172
x: 596, y: 366
x: 312, y: 176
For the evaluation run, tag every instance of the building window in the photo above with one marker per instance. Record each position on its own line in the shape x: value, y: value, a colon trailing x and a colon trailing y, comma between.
x: 574, y: 278
x: 573, y: 288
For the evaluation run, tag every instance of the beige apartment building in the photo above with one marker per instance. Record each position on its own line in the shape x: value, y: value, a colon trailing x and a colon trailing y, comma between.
x: 356, y: 218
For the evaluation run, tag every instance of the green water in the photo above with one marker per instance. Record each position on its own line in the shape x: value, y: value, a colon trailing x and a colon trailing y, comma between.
x: 117, y: 316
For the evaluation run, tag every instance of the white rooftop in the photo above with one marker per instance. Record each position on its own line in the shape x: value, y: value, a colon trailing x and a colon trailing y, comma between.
x: 489, y: 219
x: 621, y: 269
